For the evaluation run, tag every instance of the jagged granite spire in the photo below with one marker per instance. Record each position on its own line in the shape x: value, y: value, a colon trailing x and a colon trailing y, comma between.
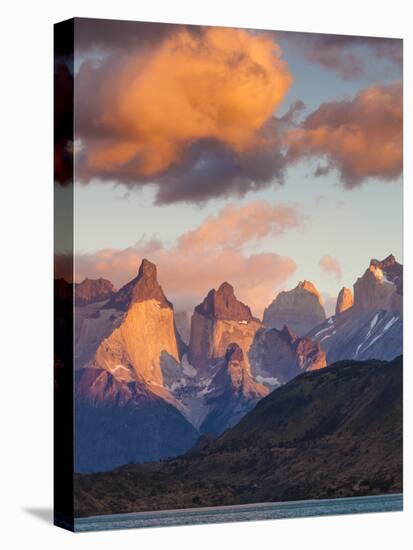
x: 143, y: 287
x: 223, y: 304
x: 344, y: 300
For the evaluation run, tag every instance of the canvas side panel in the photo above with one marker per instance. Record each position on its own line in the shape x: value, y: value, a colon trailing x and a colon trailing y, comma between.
x: 63, y: 273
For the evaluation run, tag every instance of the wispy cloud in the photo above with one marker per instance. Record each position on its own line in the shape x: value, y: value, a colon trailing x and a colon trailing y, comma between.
x: 331, y: 265
x: 206, y: 256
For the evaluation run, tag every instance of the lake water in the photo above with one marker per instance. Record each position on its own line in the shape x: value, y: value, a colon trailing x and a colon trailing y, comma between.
x: 249, y: 512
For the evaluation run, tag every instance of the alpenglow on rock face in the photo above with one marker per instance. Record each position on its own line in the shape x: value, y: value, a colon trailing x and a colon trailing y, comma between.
x: 221, y: 319
x: 300, y: 309
x: 373, y: 327
x: 124, y: 413
x: 381, y: 286
x: 344, y: 300
x: 143, y: 287
x: 146, y: 332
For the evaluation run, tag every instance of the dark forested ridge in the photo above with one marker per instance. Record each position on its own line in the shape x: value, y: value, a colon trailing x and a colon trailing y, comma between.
x: 330, y: 433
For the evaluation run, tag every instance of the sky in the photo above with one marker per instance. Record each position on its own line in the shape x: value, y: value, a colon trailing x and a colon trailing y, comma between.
x: 258, y: 157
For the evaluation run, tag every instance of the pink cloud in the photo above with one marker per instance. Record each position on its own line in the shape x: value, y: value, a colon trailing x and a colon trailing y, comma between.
x: 331, y: 265
x: 233, y: 226
x: 205, y: 257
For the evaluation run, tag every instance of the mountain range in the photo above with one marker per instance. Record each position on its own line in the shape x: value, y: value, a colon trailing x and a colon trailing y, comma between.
x: 371, y: 326
x: 149, y: 383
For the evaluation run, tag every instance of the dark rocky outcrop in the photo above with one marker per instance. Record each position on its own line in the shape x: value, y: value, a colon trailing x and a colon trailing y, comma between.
x: 93, y: 290
x: 277, y: 356
x: 143, y: 287
x: 232, y: 392
x: 119, y: 419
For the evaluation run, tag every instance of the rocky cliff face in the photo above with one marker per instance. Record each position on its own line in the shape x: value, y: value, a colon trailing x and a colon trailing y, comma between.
x: 393, y: 271
x: 344, y: 300
x: 381, y: 286
x: 232, y: 392
x: 300, y: 308
x: 143, y: 287
x: 142, y: 394
x: 277, y: 356
x: 146, y: 332
x: 361, y: 334
x: 120, y: 389
x: 373, y: 327
x: 143, y: 334
x: 217, y: 322
x: 93, y: 290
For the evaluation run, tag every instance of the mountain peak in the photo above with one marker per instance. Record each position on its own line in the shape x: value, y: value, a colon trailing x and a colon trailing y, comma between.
x: 143, y: 287
x: 344, y: 300
x: 309, y: 287
x: 300, y: 308
x: 225, y: 289
x: 387, y: 262
x: 223, y: 304
x: 381, y: 286
x: 147, y: 269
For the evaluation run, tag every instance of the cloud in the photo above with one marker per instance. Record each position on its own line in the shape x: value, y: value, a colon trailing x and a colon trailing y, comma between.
x: 203, y: 258
x: 351, y: 57
x: 195, y: 114
x: 233, y: 227
x: 360, y: 138
x: 331, y: 265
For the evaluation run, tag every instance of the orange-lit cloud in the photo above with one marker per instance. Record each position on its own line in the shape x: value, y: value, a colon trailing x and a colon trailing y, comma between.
x: 361, y: 138
x: 205, y: 257
x: 145, y: 116
x: 331, y: 265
